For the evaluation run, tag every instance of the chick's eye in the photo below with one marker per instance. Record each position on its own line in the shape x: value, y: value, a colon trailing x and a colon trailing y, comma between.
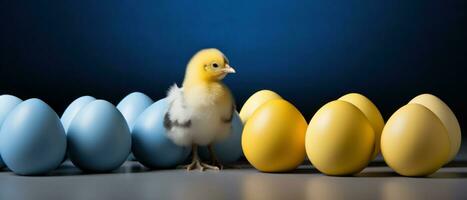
x: 215, y: 65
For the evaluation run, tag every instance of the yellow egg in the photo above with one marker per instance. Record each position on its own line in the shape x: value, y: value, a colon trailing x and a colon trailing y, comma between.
x: 371, y: 112
x: 255, y: 101
x: 414, y: 141
x: 339, y: 139
x: 446, y: 116
x: 273, y: 138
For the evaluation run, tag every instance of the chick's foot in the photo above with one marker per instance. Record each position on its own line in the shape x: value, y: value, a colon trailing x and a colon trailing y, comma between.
x: 217, y: 164
x: 214, y: 160
x: 197, y: 164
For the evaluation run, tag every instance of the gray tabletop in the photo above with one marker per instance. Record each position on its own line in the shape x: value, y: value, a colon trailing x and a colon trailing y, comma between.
x: 133, y: 181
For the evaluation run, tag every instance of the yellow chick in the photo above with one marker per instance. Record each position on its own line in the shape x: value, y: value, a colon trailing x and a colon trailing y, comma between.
x: 200, y: 113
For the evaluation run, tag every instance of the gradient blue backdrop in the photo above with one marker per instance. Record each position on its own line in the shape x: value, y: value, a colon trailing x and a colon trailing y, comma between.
x: 310, y: 52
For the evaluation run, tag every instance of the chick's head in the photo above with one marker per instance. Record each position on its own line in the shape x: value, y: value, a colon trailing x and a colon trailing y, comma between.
x: 208, y: 65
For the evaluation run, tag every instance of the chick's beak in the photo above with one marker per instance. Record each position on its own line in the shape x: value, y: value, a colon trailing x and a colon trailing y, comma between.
x: 228, y: 69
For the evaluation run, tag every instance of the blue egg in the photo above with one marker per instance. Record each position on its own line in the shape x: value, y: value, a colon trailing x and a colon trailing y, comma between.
x: 151, y: 146
x: 32, y: 139
x: 7, y: 103
x: 98, y: 138
x: 133, y: 105
x: 230, y: 149
x: 73, y: 109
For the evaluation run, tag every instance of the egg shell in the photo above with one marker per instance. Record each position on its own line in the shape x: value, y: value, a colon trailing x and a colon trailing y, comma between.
x: 32, y: 139
x: 71, y: 111
x: 447, y: 117
x: 255, y: 101
x: 151, y: 146
x: 7, y: 103
x: 75, y: 106
x: 99, y: 139
x: 339, y: 139
x: 273, y: 138
x: 228, y: 150
x: 133, y: 105
x: 371, y: 112
x: 414, y: 141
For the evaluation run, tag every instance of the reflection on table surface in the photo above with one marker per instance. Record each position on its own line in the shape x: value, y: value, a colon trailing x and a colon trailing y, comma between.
x: 133, y: 181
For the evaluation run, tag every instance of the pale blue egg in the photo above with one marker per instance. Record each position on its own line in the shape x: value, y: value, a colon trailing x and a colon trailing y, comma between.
x: 71, y: 111
x: 75, y: 106
x: 230, y: 149
x: 151, y: 146
x: 133, y: 105
x: 98, y: 138
x: 7, y: 103
x: 32, y: 139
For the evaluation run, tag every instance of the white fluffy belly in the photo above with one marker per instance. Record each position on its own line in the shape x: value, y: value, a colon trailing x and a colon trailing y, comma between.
x: 208, y: 127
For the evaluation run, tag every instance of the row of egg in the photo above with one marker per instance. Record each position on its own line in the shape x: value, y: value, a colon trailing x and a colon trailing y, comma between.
x: 95, y: 135
x: 346, y: 134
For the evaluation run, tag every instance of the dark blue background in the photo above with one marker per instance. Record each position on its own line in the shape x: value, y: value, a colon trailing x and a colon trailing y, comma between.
x: 310, y: 52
